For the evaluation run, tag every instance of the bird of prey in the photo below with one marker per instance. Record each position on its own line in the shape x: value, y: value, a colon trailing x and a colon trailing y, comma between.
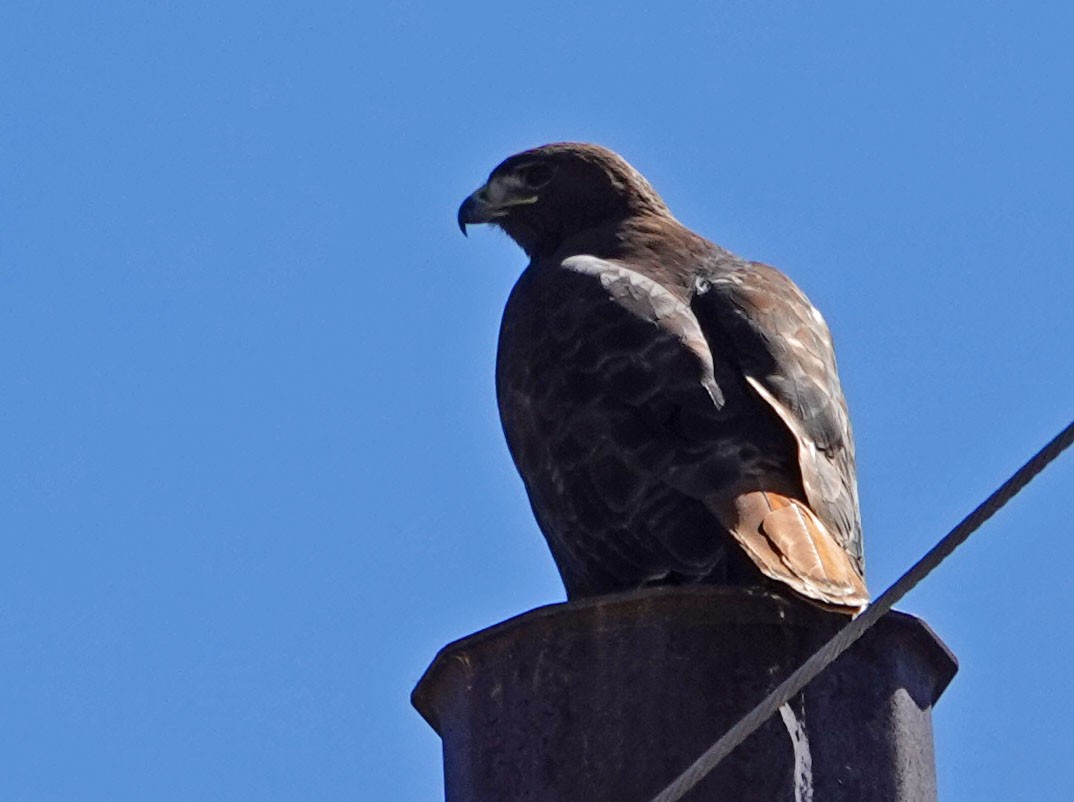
x: 674, y: 410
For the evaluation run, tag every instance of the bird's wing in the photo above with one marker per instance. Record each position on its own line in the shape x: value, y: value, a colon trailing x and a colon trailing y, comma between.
x: 757, y: 316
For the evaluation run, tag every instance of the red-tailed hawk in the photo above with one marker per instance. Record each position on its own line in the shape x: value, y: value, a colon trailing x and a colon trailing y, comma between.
x: 674, y: 410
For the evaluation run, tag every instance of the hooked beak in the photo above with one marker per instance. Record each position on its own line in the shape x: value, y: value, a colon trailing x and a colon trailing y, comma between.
x: 475, y: 209
x: 491, y: 202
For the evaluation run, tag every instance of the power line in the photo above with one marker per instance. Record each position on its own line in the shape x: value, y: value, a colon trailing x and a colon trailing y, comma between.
x: 845, y: 637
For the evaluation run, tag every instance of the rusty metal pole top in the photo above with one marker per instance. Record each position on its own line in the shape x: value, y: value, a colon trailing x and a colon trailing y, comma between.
x: 608, y: 699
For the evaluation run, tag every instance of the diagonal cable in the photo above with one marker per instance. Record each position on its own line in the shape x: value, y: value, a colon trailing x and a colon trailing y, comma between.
x: 845, y: 637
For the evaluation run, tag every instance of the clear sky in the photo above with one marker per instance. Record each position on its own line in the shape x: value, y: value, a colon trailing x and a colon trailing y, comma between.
x: 252, y: 472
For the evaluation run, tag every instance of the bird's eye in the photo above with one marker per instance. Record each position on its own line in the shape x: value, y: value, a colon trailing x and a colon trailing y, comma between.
x: 535, y: 176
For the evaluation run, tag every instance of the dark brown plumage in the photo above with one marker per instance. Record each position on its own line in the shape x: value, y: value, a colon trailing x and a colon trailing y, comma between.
x: 674, y: 410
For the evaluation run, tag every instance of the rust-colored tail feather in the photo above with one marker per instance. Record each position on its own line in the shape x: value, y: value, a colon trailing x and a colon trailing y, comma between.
x: 789, y: 543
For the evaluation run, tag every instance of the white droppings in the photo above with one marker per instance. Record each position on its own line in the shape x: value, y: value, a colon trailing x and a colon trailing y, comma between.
x: 637, y: 293
x: 803, y: 760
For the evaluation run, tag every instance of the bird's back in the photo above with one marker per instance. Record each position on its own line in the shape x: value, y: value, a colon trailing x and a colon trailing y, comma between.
x: 618, y: 439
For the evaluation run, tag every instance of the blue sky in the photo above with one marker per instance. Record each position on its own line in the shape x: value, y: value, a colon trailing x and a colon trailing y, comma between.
x: 252, y: 472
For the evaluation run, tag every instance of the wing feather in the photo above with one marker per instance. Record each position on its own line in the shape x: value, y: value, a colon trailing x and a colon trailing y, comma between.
x: 766, y: 324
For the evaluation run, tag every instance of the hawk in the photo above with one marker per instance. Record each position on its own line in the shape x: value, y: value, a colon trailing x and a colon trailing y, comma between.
x: 674, y: 410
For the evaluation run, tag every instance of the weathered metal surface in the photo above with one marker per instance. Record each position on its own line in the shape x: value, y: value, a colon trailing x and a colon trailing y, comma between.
x: 609, y: 699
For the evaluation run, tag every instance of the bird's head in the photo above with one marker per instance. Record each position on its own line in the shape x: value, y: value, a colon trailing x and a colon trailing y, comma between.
x: 542, y: 197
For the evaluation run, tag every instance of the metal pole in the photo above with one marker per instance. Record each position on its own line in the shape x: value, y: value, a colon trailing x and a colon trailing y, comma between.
x: 606, y: 699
